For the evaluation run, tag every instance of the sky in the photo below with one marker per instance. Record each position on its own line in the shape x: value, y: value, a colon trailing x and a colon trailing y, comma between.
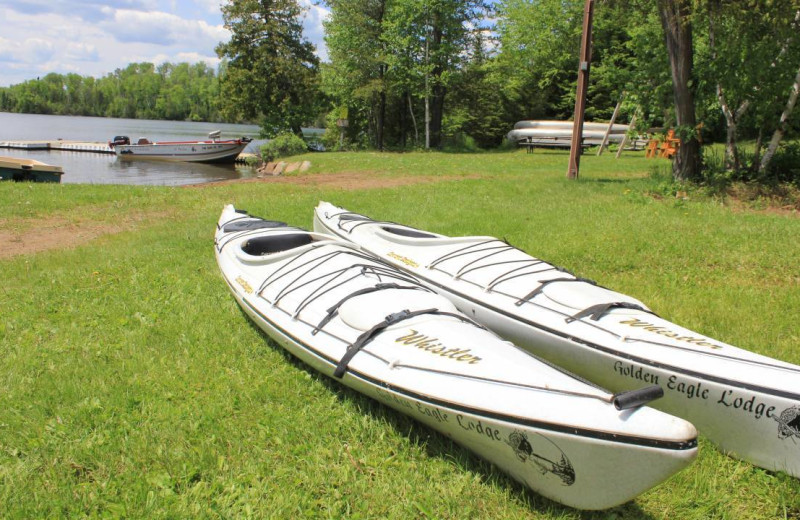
x: 93, y: 38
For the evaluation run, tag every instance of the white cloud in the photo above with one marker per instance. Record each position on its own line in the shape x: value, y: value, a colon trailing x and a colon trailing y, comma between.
x: 93, y: 38
x: 81, y: 52
x: 161, y: 28
x: 313, y: 29
x: 210, y: 6
x: 30, y: 50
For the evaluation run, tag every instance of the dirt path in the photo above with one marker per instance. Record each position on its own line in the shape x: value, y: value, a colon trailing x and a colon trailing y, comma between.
x: 33, y: 235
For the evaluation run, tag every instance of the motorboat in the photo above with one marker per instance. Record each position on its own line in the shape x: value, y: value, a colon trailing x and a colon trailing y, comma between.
x: 212, y: 150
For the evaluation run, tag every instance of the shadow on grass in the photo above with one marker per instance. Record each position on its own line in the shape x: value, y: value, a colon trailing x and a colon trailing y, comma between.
x: 439, y: 446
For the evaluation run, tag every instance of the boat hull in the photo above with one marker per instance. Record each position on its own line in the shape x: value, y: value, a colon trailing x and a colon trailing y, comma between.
x: 749, y: 405
x: 200, y: 151
x: 563, y: 439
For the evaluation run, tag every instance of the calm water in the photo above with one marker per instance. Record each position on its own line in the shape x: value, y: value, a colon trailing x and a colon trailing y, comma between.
x: 92, y: 168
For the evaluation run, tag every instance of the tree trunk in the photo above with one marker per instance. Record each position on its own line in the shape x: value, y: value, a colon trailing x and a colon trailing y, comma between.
x: 438, y: 90
x: 757, y: 153
x: 413, y: 119
x: 731, y: 149
x: 674, y: 16
x: 381, y: 117
x: 731, y: 120
x: 777, y: 136
x: 379, y: 131
x: 427, y: 95
x: 437, y: 113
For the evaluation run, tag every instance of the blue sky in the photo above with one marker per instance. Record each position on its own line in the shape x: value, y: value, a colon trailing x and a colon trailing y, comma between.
x: 93, y: 38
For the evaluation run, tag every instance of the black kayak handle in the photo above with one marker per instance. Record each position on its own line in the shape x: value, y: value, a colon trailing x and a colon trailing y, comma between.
x: 637, y: 398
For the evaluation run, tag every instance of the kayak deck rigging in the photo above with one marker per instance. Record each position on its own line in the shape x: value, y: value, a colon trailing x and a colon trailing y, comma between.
x: 496, y: 246
x: 333, y: 279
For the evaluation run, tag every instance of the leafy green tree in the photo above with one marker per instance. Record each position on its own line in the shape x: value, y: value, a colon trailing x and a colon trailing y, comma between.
x: 476, y: 106
x: 676, y: 20
x: 272, y: 72
x: 356, y: 76
x: 751, y: 56
x: 540, y: 41
x: 389, y: 59
x: 140, y: 90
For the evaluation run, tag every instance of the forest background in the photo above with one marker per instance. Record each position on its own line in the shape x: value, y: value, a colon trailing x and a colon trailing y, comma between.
x: 411, y: 74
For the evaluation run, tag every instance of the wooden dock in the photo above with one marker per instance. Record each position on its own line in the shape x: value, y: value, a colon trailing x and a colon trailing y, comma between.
x: 59, y: 144
x: 77, y: 146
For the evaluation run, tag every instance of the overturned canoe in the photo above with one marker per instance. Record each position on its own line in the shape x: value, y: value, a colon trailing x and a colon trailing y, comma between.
x: 748, y: 404
x: 379, y: 331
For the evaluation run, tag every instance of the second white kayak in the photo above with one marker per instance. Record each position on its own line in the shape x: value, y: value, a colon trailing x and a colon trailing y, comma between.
x: 748, y: 404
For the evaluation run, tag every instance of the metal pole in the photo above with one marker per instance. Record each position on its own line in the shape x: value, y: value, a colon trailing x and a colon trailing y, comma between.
x: 580, y: 98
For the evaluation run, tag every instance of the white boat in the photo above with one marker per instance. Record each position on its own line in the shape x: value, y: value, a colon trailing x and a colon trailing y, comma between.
x: 213, y: 150
x: 379, y: 331
x: 746, y: 403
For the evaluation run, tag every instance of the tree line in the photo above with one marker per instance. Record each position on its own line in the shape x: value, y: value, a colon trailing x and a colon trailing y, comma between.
x: 180, y: 91
x: 405, y: 74
x: 425, y: 73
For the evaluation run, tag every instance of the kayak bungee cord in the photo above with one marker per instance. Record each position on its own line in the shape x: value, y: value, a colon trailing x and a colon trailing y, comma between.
x: 334, y: 309
x: 589, y: 312
x: 620, y: 400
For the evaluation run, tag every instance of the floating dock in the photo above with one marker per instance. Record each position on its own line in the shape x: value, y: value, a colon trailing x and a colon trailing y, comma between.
x: 77, y: 146
x: 59, y: 144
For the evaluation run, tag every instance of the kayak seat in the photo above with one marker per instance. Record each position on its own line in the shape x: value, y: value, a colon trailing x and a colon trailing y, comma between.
x: 249, y: 225
x: 260, y: 246
x: 406, y: 232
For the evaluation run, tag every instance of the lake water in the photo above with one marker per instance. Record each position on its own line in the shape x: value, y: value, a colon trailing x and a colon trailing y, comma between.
x: 95, y: 168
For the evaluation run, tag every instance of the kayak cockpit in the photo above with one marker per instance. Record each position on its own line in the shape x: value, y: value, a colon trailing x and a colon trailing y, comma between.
x: 271, y: 244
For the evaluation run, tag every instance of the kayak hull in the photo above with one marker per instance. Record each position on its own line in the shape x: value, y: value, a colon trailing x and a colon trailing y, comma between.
x: 747, y: 404
x: 565, y: 440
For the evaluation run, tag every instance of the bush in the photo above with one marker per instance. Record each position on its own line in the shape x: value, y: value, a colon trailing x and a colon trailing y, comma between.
x: 785, y: 165
x: 459, y: 143
x: 284, y: 145
x: 783, y: 169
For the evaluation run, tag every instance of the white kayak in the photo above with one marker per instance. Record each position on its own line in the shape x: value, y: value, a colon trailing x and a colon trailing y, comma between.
x: 379, y: 331
x: 748, y: 404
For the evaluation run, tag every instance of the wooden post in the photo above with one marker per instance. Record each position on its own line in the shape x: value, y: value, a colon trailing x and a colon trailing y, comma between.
x: 583, y: 85
x: 604, y: 144
x: 625, y: 137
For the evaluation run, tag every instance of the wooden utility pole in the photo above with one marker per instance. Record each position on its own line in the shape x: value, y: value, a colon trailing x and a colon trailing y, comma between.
x: 580, y: 98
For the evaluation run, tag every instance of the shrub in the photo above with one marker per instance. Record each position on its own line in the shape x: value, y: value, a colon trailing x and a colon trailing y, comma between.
x: 283, y: 145
x: 783, y: 169
x: 785, y: 164
x: 459, y: 142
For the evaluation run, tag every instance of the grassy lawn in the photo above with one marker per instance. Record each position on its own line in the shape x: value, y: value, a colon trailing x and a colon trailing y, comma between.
x: 131, y: 385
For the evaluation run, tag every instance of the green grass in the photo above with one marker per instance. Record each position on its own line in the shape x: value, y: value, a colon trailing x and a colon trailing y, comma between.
x: 131, y: 385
